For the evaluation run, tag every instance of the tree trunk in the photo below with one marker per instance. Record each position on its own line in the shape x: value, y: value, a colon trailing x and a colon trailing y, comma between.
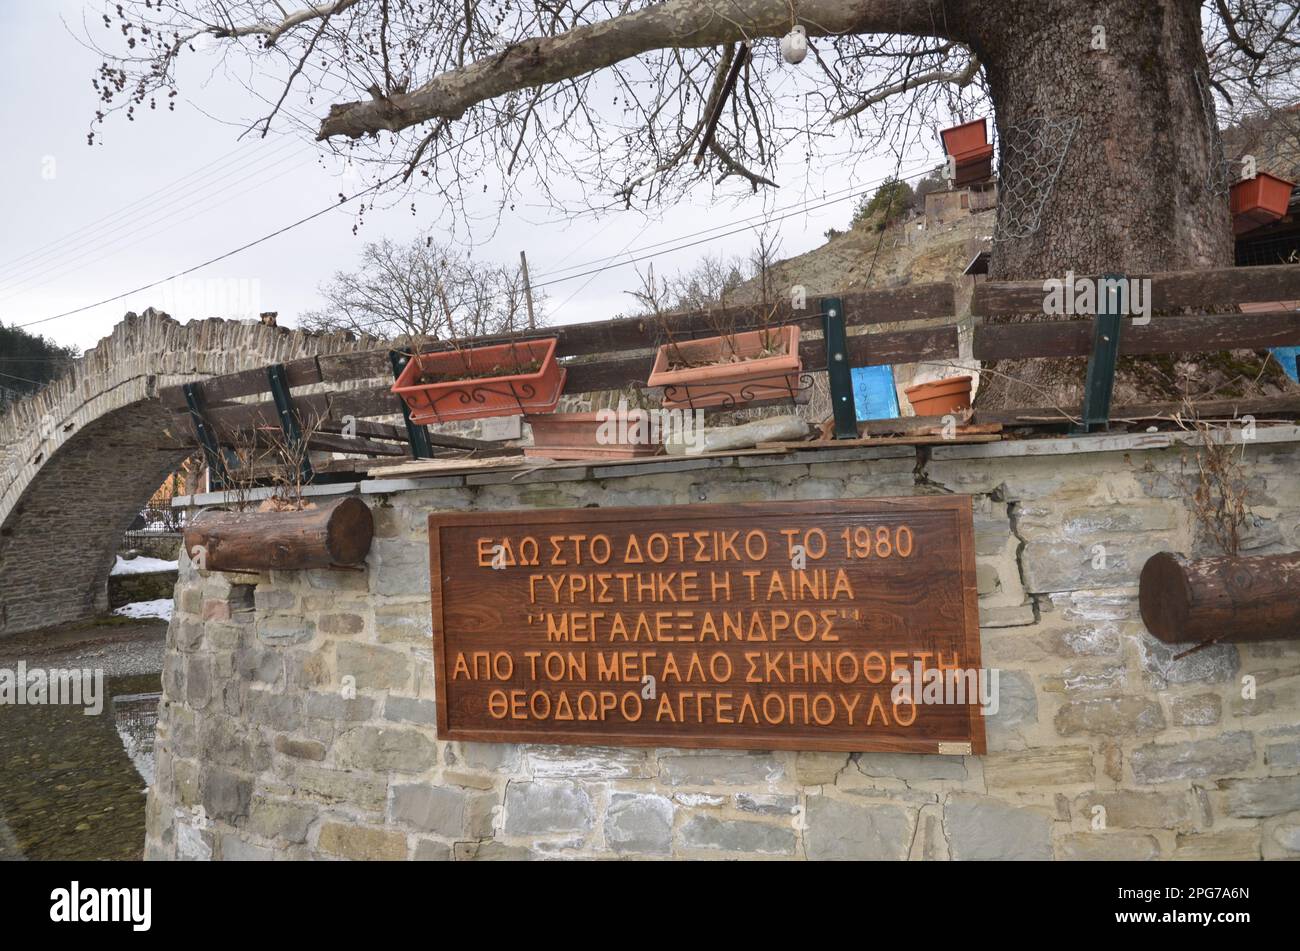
x: 1140, y: 187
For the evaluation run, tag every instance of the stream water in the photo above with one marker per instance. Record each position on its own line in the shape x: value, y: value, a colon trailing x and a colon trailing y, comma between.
x: 69, y: 787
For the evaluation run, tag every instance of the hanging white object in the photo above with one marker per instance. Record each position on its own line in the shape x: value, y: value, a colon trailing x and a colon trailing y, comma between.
x: 794, y: 45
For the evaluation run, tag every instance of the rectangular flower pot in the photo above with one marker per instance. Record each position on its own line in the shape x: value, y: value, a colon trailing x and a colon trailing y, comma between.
x: 974, y: 166
x: 966, y: 138
x: 582, y: 436
x: 465, y: 395
x: 1259, y: 201
x: 713, y: 383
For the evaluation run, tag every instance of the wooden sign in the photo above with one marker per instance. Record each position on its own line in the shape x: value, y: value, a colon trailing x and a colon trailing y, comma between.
x: 781, y: 625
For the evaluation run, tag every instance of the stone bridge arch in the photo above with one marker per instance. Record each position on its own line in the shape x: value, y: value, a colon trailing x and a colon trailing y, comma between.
x: 80, y: 459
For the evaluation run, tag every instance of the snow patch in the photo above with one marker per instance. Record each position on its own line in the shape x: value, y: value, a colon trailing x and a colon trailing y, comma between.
x: 142, y: 565
x: 162, y: 608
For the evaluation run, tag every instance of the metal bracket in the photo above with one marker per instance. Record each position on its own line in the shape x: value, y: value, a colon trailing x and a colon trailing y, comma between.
x: 1112, y: 303
x: 838, y: 370
x: 418, y: 436
x: 289, y: 423
x: 212, y: 451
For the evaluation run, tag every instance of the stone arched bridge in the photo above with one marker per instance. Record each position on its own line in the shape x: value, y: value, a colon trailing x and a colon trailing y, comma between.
x: 80, y: 459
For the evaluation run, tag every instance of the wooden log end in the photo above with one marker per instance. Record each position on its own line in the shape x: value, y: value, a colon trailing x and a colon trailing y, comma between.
x: 1164, y: 597
x: 349, y: 532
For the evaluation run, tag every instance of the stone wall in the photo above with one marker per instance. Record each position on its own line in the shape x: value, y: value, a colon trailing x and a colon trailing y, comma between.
x: 142, y: 586
x: 164, y: 545
x: 260, y: 754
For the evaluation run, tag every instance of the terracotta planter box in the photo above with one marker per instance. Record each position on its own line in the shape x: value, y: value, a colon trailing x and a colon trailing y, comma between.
x: 941, y: 396
x: 574, y: 436
x: 969, y: 145
x: 1259, y: 201
x: 713, y: 384
x: 465, y: 396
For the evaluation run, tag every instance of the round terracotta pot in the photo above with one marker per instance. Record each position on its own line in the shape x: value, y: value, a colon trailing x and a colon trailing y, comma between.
x: 942, y: 396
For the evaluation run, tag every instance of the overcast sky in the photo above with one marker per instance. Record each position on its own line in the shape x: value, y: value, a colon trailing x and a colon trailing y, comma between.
x: 171, y: 190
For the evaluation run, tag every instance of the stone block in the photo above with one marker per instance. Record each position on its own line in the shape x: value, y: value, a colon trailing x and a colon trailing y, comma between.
x: 1130, y: 809
x: 847, y: 831
x: 375, y: 668
x: 1110, y: 716
x: 1195, y: 759
x: 1202, y: 709
x: 979, y: 828
x: 737, y: 835
x: 384, y: 749
x: 1108, y: 847
x: 721, y: 769
x: 1057, y: 766
x: 348, y: 841
x: 544, y: 808
x: 639, y: 823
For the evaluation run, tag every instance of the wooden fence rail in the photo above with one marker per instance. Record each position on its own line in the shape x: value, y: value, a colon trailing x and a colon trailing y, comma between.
x: 612, y: 354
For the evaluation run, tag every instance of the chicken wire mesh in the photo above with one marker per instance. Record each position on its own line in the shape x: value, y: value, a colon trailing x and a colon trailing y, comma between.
x: 1032, y: 155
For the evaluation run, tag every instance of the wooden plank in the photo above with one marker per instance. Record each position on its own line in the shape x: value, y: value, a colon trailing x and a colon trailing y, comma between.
x: 898, y: 304
x: 910, y: 302
x: 374, y: 401
x: 244, y: 383
x: 362, y: 427
x: 1284, y: 406
x: 900, y: 346
x: 1073, y: 338
x: 355, y: 445
x: 913, y: 439
x: 889, y: 587
x: 357, y: 365
x: 1203, y: 289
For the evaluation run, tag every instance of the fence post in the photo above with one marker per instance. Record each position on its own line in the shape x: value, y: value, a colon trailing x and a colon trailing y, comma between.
x: 838, y: 370
x: 212, y: 452
x: 289, y: 424
x: 1112, y: 302
x: 417, y: 435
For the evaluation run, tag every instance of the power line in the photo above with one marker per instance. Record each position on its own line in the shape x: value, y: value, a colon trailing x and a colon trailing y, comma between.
x: 147, y: 218
x: 851, y: 191
x: 24, y: 379
x: 267, y: 237
x: 791, y: 211
x: 130, y: 207
x: 377, y: 186
x: 219, y: 257
x: 147, y: 233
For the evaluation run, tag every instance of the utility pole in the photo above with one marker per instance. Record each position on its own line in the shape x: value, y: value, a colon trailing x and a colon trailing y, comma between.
x: 528, y: 290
